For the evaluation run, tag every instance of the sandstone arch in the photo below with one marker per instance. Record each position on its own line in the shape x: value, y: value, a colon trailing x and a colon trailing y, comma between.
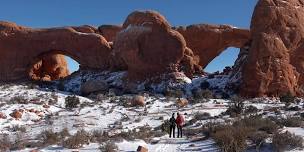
x: 49, y: 66
x: 209, y: 41
x: 20, y: 46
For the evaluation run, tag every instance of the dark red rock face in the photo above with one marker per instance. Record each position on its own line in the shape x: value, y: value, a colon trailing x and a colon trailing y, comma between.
x: 275, y: 60
x: 22, y: 47
x: 148, y: 46
x: 50, y: 67
x: 109, y: 31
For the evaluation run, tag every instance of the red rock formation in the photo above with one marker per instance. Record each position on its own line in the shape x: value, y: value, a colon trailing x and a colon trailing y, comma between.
x: 148, y: 45
x: 85, y: 29
x: 209, y: 41
x: 109, y: 31
x: 151, y: 19
x: 50, y: 67
x: 22, y: 47
x: 275, y: 62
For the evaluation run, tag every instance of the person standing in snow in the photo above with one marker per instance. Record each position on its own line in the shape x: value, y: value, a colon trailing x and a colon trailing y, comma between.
x: 172, y: 126
x: 179, y: 122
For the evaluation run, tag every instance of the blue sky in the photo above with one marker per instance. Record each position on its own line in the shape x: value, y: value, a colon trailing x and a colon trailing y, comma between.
x: 38, y: 13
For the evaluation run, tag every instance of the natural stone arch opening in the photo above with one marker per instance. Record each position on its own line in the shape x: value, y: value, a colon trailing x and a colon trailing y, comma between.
x: 224, y: 61
x: 52, y: 65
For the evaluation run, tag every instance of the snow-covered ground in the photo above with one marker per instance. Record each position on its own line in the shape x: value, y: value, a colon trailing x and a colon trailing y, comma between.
x: 44, y: 109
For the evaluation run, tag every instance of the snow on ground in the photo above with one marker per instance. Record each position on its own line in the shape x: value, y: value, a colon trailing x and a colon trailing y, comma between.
x: 107, y: 114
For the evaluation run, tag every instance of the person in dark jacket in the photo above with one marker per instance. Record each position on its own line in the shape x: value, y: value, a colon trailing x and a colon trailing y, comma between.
x: 179, y: 122
x: 172, y: 126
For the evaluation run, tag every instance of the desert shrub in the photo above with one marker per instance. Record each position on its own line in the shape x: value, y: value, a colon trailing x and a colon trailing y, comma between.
x: 251, y: 109
x: 231, y: 139
x: 287, y: 98
x: 6, y: 144
x: 99, y: 136
x: 201, y: 116
x: 258, y: 139
x: 78, y: 140
x: 236, y: 106
x: 48, y: 137
x: 71, y: 102
x: 145, y: 133
x: 18, y: 100
x: 19, y: 142
x: 207, y: 94
x: 165, y: 126
x: 108, y: 147
x: 16, y: 128
x: 202, y: 93
x: 257, y: 123
x: 177, y: 93
x: 64, y: 133
x: 291, y: 122
x: 292, y: 108
x: 286, y: 140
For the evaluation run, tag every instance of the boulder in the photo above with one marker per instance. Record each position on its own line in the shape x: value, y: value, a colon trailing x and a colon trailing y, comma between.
x: 16, y: 114
x: 141, y: 149
x: 2, y: 115
x: 92, y: 86
x: 182, y: 102
x: 138, y: 101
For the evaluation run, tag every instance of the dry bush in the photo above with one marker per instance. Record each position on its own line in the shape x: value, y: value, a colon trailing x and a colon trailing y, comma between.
x: 202, y: 94
x: 108, y: 147
x: 48, y: 137
x: 78, y: 140
x: 64, y: 133
x: 201, y: 116
x: 258, y: 139
x: 257, y: 123
x: 251, y: 109
x: 145, y: 133
x: 99, y: 136
x: 6, y: 144
x: 165, y: 126
x: 18, y: 100
x: 236, y: 106
x: 19, y: 142
x: 284, y: 141
x: 176, y: 93
x: 231, y: 139
x: 291, y: 122
x: 71, y: 102
x: 16, y: 128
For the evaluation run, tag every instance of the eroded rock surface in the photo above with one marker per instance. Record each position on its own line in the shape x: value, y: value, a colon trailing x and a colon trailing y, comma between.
x: 51, y: 67
x: 148, y: 45
x: 275, y: 62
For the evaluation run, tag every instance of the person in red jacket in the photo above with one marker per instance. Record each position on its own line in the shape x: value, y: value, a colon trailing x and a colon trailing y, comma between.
x: 179, y: 122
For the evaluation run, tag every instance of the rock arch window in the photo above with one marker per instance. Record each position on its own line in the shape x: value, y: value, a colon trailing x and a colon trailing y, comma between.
x: 51, y: 66
x: 226, y: 58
